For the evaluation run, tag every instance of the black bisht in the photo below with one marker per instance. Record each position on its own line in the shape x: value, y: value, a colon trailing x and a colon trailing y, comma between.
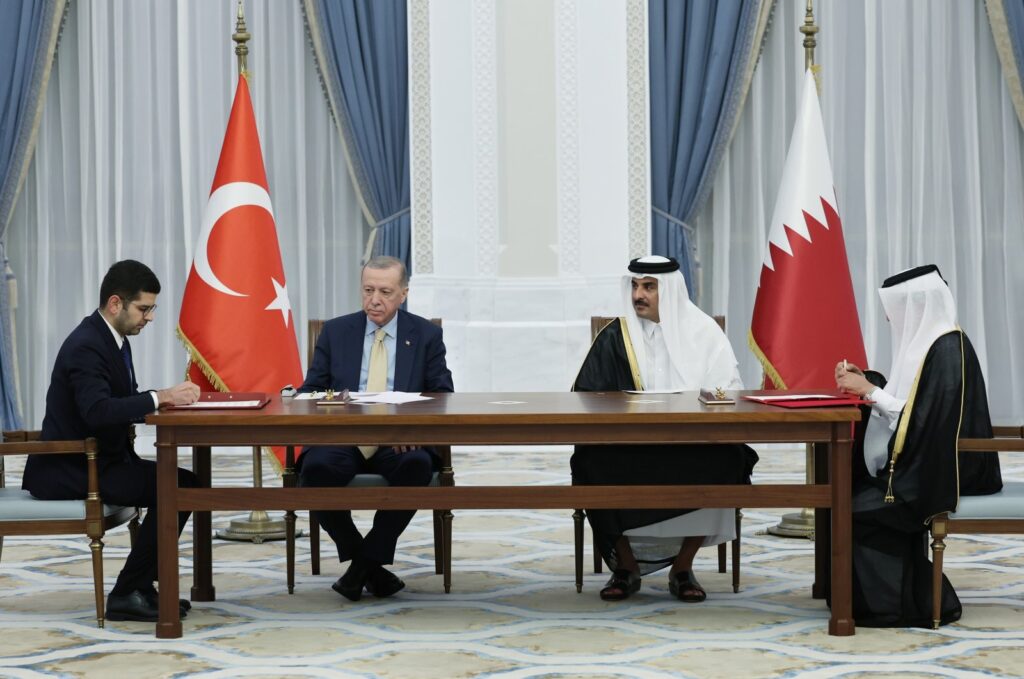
x: 891, y: 570
x: 606, y: 368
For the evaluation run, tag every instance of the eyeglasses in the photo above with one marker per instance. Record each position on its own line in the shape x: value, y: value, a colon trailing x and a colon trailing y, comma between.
x: 147, y: 310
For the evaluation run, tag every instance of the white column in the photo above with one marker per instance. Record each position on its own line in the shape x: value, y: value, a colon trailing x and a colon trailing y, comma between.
x: 527, y: 204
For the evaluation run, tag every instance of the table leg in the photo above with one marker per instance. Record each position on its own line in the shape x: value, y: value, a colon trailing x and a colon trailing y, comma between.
x: 168, y: 625
x: 841, y: 623
x: 202, y: 528
x: 822, y: 528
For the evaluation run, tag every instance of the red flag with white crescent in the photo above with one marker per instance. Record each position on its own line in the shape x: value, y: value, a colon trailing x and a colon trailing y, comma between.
x: 805, y: 313
x: 236, y: 319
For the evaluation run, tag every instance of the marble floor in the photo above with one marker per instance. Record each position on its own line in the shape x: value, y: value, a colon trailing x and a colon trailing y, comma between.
x: 513, y: 611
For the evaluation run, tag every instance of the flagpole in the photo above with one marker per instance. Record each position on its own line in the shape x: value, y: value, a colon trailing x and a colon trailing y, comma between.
x: 801, y: 524
x: 259, y: 527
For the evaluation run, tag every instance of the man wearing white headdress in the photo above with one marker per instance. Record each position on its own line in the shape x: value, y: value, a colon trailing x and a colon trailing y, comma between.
x: 663, y: 343
x: 911, y: 471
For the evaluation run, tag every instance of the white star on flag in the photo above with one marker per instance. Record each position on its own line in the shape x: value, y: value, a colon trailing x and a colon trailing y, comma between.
x: 280, y: 301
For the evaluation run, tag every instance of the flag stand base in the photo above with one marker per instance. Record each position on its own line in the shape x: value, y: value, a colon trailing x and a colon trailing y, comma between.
x: 795, y: 525
x: 258, y: 528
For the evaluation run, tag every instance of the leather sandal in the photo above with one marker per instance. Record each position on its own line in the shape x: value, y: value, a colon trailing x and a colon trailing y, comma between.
x: 621, y: 585
x: 684, y: 586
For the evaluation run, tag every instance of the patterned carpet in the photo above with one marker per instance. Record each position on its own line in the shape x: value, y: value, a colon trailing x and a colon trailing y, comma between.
x: 513, y: 611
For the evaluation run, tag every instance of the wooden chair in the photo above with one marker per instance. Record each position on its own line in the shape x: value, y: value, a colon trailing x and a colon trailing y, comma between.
x: 1002, y: 513
x: 22, y: 514
x: 597, y: 324
x: 442, y: 518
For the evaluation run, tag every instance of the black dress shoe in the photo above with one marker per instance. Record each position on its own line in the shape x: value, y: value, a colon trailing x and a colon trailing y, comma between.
x: 153, y: 597
x: 383, y: 583
x: 131, y: 606
x: 351, y: 584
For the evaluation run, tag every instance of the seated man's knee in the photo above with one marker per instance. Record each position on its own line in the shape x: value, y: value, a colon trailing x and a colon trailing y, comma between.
x: 415, y: 468
x: 323, y: 467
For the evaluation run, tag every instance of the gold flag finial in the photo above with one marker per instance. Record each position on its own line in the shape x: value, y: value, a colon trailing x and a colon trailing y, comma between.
x: 241, y: 36
x: 810, y: 29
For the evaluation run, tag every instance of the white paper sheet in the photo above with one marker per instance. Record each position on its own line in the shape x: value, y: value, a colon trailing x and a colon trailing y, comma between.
x: 393, y: 397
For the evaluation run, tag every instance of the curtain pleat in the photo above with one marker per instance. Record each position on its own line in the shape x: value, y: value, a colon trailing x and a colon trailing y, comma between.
x: 362, y: 55
x: 702, y: 55
x: 28, y: 41
x: 1006, y: 19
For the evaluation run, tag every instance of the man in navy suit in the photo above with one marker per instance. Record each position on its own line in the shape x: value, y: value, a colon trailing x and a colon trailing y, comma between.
x: 93, y: 392
x: 346, y: 358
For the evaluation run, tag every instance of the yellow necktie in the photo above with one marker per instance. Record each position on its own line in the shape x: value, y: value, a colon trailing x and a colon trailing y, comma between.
x: 377, y: 376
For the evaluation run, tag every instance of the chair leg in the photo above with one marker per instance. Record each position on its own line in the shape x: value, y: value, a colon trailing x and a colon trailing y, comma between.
x: 721, y: 557
x: 938, y: 548
x: 289, y: 547
x: 577, y: 521
x: 598, y: 561
x: 96, y: 546
x: 736, y: 553
x: 446, y: 529
x: 439, y: 544
x: 314, y: 544
x: 133, y: 528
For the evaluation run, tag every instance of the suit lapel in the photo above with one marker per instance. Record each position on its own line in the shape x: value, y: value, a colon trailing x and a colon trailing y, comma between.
x: 114, y: 356
x: 352, y: 345
x: 405, y: 351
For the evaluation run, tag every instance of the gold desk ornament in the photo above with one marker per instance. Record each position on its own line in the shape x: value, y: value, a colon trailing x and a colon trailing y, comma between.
x: 718, y: 397
x: 335, y: 398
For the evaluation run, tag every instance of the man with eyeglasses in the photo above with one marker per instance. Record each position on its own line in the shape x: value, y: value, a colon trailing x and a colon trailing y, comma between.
x: 93, y: 392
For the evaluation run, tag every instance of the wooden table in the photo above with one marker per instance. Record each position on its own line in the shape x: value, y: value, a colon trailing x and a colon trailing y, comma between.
x: 506, y: 418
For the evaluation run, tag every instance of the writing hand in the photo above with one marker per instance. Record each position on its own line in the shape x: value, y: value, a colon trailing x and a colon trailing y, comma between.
x: 854, y: 383
x: 844, y: 367
x: 179, y: 395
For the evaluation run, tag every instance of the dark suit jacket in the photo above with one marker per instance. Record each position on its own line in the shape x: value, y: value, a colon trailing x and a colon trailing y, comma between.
x: 419, y: 360
x: 91, y: 393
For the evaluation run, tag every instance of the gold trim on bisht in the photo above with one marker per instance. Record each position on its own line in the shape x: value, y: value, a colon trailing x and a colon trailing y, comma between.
x: 634, y: 367
x: 904, y: 425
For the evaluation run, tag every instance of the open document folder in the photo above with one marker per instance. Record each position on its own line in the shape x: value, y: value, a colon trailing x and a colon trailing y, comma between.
x: 357, y: 397
x: 230, y: 399
x: 809, y: 400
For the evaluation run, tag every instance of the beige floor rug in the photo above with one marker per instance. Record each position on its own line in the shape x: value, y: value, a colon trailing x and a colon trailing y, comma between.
x: 513, y: 611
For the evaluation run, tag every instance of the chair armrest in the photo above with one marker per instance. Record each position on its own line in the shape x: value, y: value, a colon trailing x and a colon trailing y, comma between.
x: 47, y: 447
x: 1006, y: 439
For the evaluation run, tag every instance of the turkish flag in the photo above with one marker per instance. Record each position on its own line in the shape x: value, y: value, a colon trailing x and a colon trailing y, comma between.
x: 805, y: 314
x: 236, y: 320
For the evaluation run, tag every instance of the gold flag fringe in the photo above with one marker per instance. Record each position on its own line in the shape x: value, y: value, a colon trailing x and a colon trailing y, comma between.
x: 766, y: 364
x: 209, y: 373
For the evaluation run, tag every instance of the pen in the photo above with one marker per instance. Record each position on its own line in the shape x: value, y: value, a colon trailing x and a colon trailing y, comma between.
x: 844, y: 365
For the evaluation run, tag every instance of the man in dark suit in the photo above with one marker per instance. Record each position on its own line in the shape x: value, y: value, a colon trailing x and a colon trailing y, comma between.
x: 380, y: 348
x: 93, y: 392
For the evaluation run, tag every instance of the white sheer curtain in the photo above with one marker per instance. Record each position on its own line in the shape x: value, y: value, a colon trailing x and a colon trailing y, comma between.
x: 927, y: 155
x: 131, y: 133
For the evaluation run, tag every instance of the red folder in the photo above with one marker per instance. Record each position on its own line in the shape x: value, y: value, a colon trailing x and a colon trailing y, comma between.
x: 238, y: 400
x: 812, y: 401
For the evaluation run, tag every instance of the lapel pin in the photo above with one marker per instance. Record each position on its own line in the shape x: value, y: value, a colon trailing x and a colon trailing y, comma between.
x: 407, y: 343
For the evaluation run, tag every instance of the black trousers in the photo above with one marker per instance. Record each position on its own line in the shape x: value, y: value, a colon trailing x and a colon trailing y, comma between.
x: 334, y: 466
x: 130, y: 482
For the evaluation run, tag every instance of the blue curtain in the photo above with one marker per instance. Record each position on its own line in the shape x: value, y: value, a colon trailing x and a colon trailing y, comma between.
x: 28, y: 34
x: 361, y: 53
x: 701, y: 54
x: 1006, y: 17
